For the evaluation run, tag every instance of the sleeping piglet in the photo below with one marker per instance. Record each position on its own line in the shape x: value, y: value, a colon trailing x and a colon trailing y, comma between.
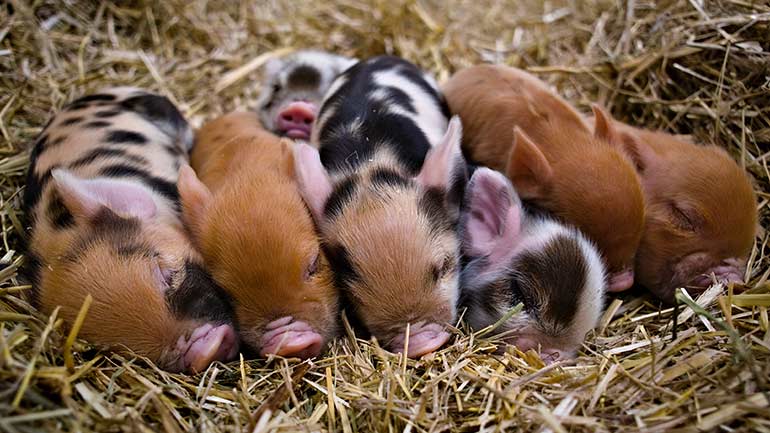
x: 701, y: 210
x: 257, y: 237
x: 512, y: 256
x: 515, y: 124
x: 293, y: 87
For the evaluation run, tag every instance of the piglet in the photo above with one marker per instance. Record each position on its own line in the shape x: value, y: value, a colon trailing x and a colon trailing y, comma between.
x: 257, y: 237
x: 385, y: 193
x: 514, y: 123
x: 293, y: 87
x: 701, y: 214
x: 512, y: 256
x: 103, y: 207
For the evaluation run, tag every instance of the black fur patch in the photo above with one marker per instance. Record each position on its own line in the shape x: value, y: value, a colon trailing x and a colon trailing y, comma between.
x: 162, y: 186
x: 133, y: 250
x: 344, y: 273
x: 105, y: 153
x: 93, y: 98
x: 304, y: 76
x: 108, y: 227
x: 125, y: 137
x: 108, y: 113
x: 58, y: 214
x: 159, y: 111
x: 95, y: 124
x: 199, y: 297
x: 343, y: 192
x: 71, y: 121
x: 386, y: 177
x: 432, y: 205
x: 31, y: 271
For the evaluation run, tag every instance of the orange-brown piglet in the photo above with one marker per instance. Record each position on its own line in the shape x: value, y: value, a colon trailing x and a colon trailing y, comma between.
x: 701, y: 210
x: 257, y: 237
x: 515, y: 124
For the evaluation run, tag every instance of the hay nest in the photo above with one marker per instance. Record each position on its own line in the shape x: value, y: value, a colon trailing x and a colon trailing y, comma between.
x: 689, y: 66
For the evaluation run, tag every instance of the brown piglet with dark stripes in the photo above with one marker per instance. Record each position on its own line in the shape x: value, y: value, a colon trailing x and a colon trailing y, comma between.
x: 103, y: 208
x: 257, y: 237
x: 515, y: 124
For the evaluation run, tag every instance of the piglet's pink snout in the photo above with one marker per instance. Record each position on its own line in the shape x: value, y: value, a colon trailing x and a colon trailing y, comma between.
x: 621, y: 281
x: 296, y: 120
x: 207, y: 344
x: 729, y: 271
x: 288, y: 337
x: 549, y: 355
x: 423, y: 339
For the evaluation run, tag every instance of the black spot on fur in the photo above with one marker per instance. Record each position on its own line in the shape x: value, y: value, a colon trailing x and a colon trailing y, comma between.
x: 93, y: 98
x: 162, y: 186
x: 198, y: 297
x: 97, y: 124
x: 159, y: 111
x: 126, y: 137
x: 31, y: 271
x: 304, y: 76
x: 133, y: 250
x: 58, y: 214
x: 432, y: 205
x: 71, y: 121
x: 340, y: 196
x: 107, y: 113
x: 344, y: 273
x: 387, y: 177
x: 105, y: 153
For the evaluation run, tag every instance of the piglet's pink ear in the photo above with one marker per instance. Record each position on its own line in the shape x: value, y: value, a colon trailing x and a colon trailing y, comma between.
x: 84, y: 198
x: 195, y: 198
x: 492, y: 218
x: 606, y: 129
x: 312, y: 180
x: 441, y: 160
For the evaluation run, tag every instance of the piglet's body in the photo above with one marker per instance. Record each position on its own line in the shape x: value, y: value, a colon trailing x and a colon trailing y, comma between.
x: 515, y: 124
x: 293, y: 87
x: 257, y: 237
x: 386, y: 200
x: 701, y: 214
x: 512, y: 256
x: 104, y: 213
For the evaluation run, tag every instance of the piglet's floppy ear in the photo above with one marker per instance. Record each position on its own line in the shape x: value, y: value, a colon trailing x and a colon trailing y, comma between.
x: 441, y: 160
x: 84, y: 198
x: 313, y: 181
x: 492, y: 218
x: 195, y: 197
x: 527, y: 167
x: 605, y: 129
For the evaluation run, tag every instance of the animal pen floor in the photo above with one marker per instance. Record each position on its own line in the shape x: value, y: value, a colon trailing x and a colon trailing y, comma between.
x: 687, y: 66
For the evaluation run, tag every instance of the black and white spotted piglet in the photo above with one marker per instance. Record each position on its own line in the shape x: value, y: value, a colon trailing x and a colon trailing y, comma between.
x: 385, y: 193
x: 293, y: 87
x: 514, y: 257
x: 103, y: 207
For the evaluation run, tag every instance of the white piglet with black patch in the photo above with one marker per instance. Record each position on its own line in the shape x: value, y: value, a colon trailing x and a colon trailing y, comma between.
x: 385, y: 192
x: 293, y: 87
x: 513, y: 257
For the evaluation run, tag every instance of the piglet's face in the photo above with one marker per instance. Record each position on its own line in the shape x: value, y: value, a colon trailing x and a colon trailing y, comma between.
x: 392, y: 243
x: 552, y: 270
x: 150, y: 292
x: 262, y: 248
x: 701, y: 215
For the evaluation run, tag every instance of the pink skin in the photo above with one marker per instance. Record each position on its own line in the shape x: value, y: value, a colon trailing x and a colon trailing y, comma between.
x: 549, y: 355
x: 621, y: 281
x: 296, y: 119
x: 730, y: 271
x: 287, y: 337
x: 423, y: 339
x: 697, y: 269
x: 208, y: 343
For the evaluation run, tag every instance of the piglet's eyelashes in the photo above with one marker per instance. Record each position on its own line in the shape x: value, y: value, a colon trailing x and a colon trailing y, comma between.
x: 164, y: 276
x: 312, y: 268
x: 683, y: 218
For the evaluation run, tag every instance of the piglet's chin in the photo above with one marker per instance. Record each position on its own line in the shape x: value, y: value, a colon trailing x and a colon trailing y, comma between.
x: 621, y: 281
x: 290, y: 338
x: 207, y: 344
x: 423, y: 339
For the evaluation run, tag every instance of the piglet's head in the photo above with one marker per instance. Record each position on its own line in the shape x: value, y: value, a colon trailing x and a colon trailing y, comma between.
x: 551, y: 269
x: 150, y: 292
x: 701, y: 215
x: 262, y: 248
x: 592, y: 185
x: 391, y: 240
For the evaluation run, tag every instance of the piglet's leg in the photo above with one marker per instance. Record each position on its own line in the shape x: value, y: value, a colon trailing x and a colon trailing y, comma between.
x: 287, y: 337
x: 423, y: 339
x: 207, y: 344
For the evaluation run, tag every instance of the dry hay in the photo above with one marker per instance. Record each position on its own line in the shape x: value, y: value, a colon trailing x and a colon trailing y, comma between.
x: 692, y: 66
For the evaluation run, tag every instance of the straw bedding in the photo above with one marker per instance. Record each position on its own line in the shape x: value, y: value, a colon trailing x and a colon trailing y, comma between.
x: 691, y: 67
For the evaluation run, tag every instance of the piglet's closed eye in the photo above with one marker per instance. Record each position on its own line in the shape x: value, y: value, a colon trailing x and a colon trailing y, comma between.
x: 493, y: 218
x: 86, y: 197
